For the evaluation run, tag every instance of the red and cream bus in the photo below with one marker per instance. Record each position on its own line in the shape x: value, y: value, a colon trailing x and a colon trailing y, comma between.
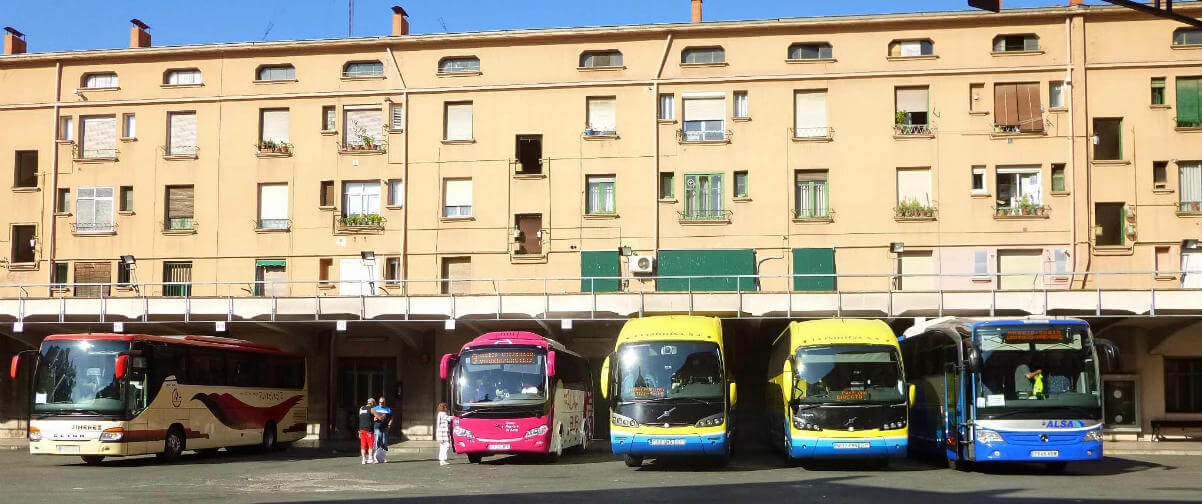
x: 114, y: 395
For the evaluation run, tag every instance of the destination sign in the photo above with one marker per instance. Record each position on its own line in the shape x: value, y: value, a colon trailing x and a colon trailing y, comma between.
x: 503, y: 357
x: 646, y: 392
x: 1036, y: 336
x: 852, y: 395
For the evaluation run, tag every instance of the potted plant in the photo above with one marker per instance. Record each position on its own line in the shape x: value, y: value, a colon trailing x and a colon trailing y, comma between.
x: 899, y: 121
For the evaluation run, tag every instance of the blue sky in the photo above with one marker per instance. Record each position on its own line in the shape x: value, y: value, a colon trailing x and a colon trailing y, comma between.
x: 57, y: 25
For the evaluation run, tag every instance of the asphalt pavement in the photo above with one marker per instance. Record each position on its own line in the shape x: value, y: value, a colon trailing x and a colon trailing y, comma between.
x: 325, y: 475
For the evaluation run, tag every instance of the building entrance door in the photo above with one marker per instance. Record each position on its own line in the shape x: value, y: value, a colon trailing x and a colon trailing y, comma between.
x: 358, y: 379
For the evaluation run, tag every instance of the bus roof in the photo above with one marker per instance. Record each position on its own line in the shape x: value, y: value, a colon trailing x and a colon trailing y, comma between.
x: 839, y: 331
x: 972, y: 323
x: 672, y: 328
x: 190, y: 340
x: 515, y: 338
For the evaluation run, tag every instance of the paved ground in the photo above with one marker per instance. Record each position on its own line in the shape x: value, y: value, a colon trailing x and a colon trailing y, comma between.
x: 322, y: 475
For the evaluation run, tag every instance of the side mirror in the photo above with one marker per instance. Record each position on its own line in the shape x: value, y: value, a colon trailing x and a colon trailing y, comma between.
x: 16, y: 366
x: 551, y: 363
x: 605, y: 378
x: 974, y: 359
x: 122, y: 366
x: 445, y: 365
x: 734, y: 395
x: 1108, y: 356
x: 913, y: 393
x: 786, y: 381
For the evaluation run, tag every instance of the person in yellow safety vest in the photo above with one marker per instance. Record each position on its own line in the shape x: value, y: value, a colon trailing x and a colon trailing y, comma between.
x: 1036, y: 378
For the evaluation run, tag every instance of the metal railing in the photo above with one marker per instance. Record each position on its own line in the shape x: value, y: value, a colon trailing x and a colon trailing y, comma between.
x: 93, y: 227
x: 180, y: 224
x: 361, y: 146
x: 274, y: 224
x: 704, y: 136
x: 913, y: 129
x: 1021, y: 211
x: 718, y: 215
x: 1191, y: 207
x: 817, y: 132
x: 813, y: 213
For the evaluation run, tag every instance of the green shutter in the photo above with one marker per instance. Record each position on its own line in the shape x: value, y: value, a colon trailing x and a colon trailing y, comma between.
x: 718, y: 263
x: 1189, y: 102
x: 268, y: 263
x: 813, y: 261
x: 599, y: 264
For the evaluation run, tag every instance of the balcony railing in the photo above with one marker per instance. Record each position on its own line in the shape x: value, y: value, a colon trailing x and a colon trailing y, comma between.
x: 180, y: 224
x: 364, y: 222
x: 93, y: 153
x: 704, y: 136
x: 1190, y: 207
x: 274, y: 148
x: 915, y: 211
x: 363, y: 146
x: 181, y: 151
x: 1190, y: 123
x: 93, y: 227
x: 591, y: 132
x: 1021, y: 211
x: 813, y: 213
x: 913, y: 129
x: 274, y: 224
x: 704, y: 215
x: 815, y: 133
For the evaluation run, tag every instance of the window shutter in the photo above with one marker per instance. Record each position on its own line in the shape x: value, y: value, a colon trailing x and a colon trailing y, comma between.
x: 601, y: 114
x: 912, y: 99
x: 459, y: 121
x: 704, y: 109
x: 1030, y: 109
x: 183, y: 134
x: 397, y: 118
x: 1005, y: 104
x: 1189, y: 102
x: 99, y: 136
x: 273, y: 201
x: 275, y: 126
x: 1191, y: 182
x: 180, y: 202
x: 810, y: 114
x: 911, y: 48
x: 85, y: 206
x: 458, y: 193
x: 364, y: 123
x: 914, y: 185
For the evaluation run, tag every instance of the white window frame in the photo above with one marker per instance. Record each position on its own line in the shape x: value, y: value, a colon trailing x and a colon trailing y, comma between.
x: 742, y: 105
x: 598, y: 122
x: 983, y: 172
x: 183, y: 77
x: 94, y: 221
x: 396, y: 193
x: 457, y: 211
x: 371, y: 72
x: 101, y: 80
x: 1019, y: 173
x: 1056, y: 94
x: 460, y: 133
x: 601, y: 194
x: 129, y: 126
x: 273, y: 217
x: 288, y: 70
x: 667, y: 107
x: 459, y: 65
x: 361, y: 198
x: 980, y: 264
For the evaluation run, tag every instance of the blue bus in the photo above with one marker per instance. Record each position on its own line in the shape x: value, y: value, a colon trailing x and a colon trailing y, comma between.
x: 1006, y: 390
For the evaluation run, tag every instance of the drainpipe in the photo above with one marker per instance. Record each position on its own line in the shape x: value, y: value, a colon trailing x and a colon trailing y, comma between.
x: 58, y: 96
x: 404, y: 273
x: 1072, y: 140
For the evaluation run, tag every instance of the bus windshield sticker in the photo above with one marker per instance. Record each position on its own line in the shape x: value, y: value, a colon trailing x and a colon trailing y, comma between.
x: 646, y: 393
x: 1036, y: 336
x: 39, y: 398
x: 503, y: 357
x: 995, y: 400
x: 980, y: 402
x: 852, y: 395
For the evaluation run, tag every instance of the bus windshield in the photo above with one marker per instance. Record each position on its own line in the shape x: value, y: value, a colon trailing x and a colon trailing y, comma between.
x: 500, y: 376
x: 670, y: 370
x: 849, y: 374
x: 1029, y: 370
x: 78, y: 377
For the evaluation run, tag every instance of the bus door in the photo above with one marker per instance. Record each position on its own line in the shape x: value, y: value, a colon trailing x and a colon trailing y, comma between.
x: 956, y: 426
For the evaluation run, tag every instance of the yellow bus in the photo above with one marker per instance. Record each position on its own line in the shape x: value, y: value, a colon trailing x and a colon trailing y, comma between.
x: 114, y: 395
x: 836, y: 388
x: 668, y: 390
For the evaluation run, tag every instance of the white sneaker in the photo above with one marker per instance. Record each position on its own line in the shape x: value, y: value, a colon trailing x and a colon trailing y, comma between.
x: 363, y: 461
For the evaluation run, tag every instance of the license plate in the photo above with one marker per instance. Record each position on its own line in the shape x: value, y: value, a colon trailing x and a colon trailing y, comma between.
x: 852, y: 446
x: 666, y: 442
x: 68, y: 436
x: 1045, y: 454
x: 68, y: 449
x: 498, y: 447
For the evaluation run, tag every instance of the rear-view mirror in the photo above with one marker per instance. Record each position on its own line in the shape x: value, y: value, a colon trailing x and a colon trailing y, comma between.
x: 605, y: 378
x: 551, y: 363
x: 1108, y: 356
x: 734, y: 395
x: 445, y: 365
x: 913, y: 393
x: 121, y: 367
x: 15, y: 366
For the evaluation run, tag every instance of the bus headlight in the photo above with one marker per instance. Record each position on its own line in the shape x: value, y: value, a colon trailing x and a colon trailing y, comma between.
x: 537, y: 431
x: 1094, y: 436
x: 113, y: 434
x: 988, y: 436
x: 712, y: 420
x: 623, y: 421
x: 35, y: 434
x: 803, y: 423
x: 463, y: 433
x: 894, y: 425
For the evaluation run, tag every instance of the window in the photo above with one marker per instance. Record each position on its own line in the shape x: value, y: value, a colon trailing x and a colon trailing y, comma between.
x: 1158, y: 90
x: 457, y: 122
x: 106, y: 80
x: 1017, y: 109
x: 1187, y: 36
x: 271, y: 277
x: 127, y: 199
x: 528, y: 150
x: 600, y: 194
x: 24, y: 243
x: 1164, y: 263
x: 99, y: 137
x: 66, y: 128
x: 1191, y: 186
x: 1060, y: 264
x: 528, y: 234
x: 704, y: 119
x: 26, y: 173
x: 363, y: 69
x: 396, y: 117
x: 326, y: 197
x: 978, y: 180
x: 1107, y: 139
x: 1019, y: 190
x: 980, y: 263
x: 911, y: 48
x: 601, y: 59
x: 273, y: 128
x: 456, y: 272
x: 702, y: 55
x: 329, y: 118
x: 602, y: 116
x: 914, y: 186
x: 129, y: 126
x: 181, y: 135
x: 457, y: 198
x: 667, y: 185
x: 177, y: 277
x: 1183, y: 383
x: 741, y: 184
x: 360, y: 198
x: 62, y: 202
x: 324, y: 265
x: 703, y: 197
x: 1056, y: 94
x: 812, y: 195
x: 396, y: 193
x: 1189, y: 102
x: 1015, y: 43
x: 667, y: 107
x: 124, y: 273
x: 464, y: 65
x: 1160, y: 175
x: 809, y: 118
x: 363, y: 126
x: 182, y: 77
x: 392, y: 269
x: 1110, y: 224
x: 910, y: 115
x: 94, y: 210
x: 60, y: 275
x: 742, y: 108
x: 1059, y: 178
x: 976, y: 100
x: 273, y: 206
x: 181, y: 204
x: 821, y: 50
x: 276, y: 73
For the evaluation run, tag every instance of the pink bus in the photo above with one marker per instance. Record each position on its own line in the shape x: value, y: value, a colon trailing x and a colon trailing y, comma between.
x: 516, y: 392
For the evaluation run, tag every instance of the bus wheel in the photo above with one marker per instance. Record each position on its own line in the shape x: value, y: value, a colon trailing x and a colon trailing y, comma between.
x: 474, y: 458
x: 633, y: 461
x: 92, y: 459
x: 959, y: 465
x: 556, y: 450
x: 173, y: 446
x: 1057, y: 467
x: 270, y: 443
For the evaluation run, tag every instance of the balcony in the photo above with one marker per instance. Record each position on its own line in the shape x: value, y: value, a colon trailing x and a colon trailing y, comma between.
x: 704, y: 136
x: 268, y: 225
x: 704, y: 216
x: 361, y: 223
x: 1188, y: 123
x: 914, y: 211
x: 814, y: 214
x: 96, y: 228
x: 1021, y: 210
x: 1189, y: 208
x: 180, y: 225
x: 913, y: 130
x: 1008, y: 130
x: 818, y: 134
x: 599, y: 133
x: 180, y: 152
x: 365, y: 145
x: 91, y: 154
x: 269, y: 148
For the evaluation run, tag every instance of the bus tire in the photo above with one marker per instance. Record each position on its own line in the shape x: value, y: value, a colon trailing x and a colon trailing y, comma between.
x: 1056, y: 467
x: 633, y: 461
x: 722, y: 460
x: 474, y: 458
x: 173, y: 445
x: 270, y: 441
x: 556, y: 449
x: 959, y: 465
x: 92, y: 459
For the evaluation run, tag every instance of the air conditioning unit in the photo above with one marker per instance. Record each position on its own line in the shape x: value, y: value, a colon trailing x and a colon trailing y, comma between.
x: 642, y: 264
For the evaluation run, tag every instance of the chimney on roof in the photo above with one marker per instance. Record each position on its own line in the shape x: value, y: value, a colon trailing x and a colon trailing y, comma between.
x: 14, y: 41
x: 400, y: 21
x: 138, y: 36
x: 1074, y: 3
x: 696, y: 11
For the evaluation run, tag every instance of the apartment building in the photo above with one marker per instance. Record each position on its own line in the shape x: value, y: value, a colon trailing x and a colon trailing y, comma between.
x: 1032, y: 150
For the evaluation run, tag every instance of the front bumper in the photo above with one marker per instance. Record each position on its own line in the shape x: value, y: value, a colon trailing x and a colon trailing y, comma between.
x: 813, y: 447
x: 650, y: 445
x: 1008, y: 452
x: 537, y: 444
x: 77, y: 448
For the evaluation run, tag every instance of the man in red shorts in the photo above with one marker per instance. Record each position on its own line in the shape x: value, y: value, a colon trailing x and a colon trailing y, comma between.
x: 367, y: 441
